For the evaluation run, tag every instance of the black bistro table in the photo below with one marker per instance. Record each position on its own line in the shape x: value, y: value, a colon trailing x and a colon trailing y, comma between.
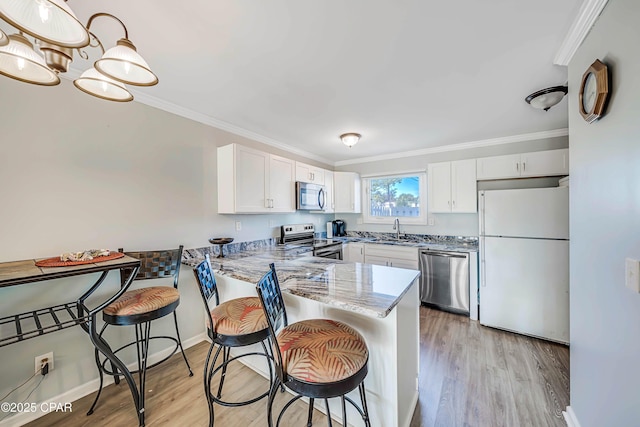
x: 31, y: 324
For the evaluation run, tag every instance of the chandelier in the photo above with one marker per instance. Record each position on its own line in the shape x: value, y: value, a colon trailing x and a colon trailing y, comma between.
x: 57, y: 33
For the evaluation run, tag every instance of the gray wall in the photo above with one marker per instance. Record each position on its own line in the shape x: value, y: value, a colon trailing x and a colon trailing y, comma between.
x: 451, y: 224
x: 77, y: 173
x: 605, y: 227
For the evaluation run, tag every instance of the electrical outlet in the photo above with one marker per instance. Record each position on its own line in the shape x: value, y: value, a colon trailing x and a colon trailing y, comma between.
x: 432, y: 221
x: 40, y: 360
x: 238, y: 225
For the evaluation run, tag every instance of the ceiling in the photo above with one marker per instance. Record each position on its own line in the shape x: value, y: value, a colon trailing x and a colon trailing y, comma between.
x: 406, y: 74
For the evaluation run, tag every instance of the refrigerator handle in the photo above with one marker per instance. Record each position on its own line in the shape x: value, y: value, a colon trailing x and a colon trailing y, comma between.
x: 483, y: 265
x: 481, y: 216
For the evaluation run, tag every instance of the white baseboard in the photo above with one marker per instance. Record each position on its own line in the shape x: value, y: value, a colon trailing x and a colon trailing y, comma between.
x: 82, y: 390
x: 414, y: 403
x: 570, y: 417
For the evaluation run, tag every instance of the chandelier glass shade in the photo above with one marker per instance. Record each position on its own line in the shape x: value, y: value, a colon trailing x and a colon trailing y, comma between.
x: 19, y: 61
x: 57, y: 33
x: 101, y: 86
x: 350, y: 139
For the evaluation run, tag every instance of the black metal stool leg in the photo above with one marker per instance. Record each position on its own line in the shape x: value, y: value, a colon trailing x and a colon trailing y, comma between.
x: 363, y: 398
x: 205, y: 378
x: 225, y: 362
x: 326, y: 404
x: 310, y: 418
x: 272, y: 396
x: 344, y: 411
x: 184, y: 356
x: 95, y: 401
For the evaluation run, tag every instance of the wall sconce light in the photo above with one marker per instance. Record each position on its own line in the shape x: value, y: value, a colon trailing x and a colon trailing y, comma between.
x: 350, y: 139
x: 547, y: 98
x: 57, y: 32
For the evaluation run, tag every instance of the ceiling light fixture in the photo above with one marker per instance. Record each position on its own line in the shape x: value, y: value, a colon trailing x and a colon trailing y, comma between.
x: 350, y: 139
x: 57, y: 33
x: 547, y: 98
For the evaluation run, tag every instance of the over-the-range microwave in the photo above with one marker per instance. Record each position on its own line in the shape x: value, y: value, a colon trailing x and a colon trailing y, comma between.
x: 310, y: 197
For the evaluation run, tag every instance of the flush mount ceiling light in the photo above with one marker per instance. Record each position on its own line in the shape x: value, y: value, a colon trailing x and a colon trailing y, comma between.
x: 350, y: 139
x: 547, y: 98
x: 57, y: 32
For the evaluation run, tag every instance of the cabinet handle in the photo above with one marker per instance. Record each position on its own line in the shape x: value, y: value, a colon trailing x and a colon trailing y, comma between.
x: 524, y: 166
x: 518, y: 166
x: 454, y: 203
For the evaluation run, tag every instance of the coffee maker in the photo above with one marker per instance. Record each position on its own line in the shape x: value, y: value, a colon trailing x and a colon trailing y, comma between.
x: 339, y: 228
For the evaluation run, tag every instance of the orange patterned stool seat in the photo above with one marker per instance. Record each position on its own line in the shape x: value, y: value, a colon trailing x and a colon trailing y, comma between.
x: 240, y: 316
x: 321, y: 350
x: 141, y: 302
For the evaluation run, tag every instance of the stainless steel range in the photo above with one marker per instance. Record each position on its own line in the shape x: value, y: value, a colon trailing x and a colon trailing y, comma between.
x: 304, y: 234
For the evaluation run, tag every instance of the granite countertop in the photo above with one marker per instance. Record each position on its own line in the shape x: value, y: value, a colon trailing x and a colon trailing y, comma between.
x: 443, y: 243
x: 367, y: 289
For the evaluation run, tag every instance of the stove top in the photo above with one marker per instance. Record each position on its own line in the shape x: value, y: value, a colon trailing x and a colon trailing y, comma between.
x: 304, y: 234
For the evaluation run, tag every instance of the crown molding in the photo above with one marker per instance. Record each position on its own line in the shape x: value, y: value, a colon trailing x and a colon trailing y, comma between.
x: 187, y: 113
x: 589, y: 13
x: 462, y: 146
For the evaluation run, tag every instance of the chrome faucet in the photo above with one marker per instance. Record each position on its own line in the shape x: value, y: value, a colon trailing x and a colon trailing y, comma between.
x: 396, y: 226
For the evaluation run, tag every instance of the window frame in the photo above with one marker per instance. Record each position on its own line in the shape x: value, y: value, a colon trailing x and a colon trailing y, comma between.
x: 367, y: 218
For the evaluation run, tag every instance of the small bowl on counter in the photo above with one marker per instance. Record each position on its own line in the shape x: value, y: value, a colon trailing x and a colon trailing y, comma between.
x: 221, y: 241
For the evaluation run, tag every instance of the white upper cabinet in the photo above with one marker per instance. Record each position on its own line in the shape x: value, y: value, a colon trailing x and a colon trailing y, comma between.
x: 545, y: 163
x: 328, y: 189
x: 452, y: 187
x: 346, y: 192
x: 310, y: 174
x: 540, y: 163
x: 252, y: 181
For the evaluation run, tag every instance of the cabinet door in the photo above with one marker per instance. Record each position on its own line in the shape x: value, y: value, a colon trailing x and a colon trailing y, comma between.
x: 346, y: 192
x: 354, y: 252
x: 464, y: 193
x: 498, y: 167
x: 439, y: 187
x: 545, y: 163
x: 252, y: 168
x: 310, y: 174
x: 328, y: 188
x: 281, y: 184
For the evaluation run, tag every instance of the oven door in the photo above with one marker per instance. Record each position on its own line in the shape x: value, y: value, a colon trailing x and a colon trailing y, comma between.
x: 310, y: 197
x: 333, y: 252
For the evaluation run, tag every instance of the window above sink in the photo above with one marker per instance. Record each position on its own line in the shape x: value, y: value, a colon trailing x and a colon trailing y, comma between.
x: 401, y: 196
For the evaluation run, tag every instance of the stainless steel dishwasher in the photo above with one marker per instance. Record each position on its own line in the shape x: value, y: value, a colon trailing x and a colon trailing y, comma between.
x: 444, y: 282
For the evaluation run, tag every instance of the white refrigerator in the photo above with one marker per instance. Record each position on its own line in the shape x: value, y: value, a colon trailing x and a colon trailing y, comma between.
x: 524, y: 261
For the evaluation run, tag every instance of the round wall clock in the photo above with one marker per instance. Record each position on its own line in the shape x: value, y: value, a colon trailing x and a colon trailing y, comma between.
x: 594, y: 91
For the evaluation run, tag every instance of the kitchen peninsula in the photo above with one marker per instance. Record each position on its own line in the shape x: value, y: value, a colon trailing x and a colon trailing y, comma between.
x: 380, y: 302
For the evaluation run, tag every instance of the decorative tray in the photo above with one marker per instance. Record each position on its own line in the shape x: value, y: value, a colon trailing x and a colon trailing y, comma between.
x: 55, y: 261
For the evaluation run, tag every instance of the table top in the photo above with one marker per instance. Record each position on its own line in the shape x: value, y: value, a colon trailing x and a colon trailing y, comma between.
x: 19, y: 272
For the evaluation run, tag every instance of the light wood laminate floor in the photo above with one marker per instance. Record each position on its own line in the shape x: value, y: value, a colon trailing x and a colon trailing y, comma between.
x: 470, y: 376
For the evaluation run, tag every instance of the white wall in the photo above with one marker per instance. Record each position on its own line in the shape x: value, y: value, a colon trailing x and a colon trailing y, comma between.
x: 76, y: 173
x: 605, y: 227
x: 450, y: 224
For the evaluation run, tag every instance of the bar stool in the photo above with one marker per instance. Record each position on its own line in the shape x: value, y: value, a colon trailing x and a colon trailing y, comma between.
x: 235, y: 323
x: 139, y: 307
x: 316, y: 358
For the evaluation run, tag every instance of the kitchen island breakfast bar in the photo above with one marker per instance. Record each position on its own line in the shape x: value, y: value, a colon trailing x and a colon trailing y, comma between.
x: 382, y: 303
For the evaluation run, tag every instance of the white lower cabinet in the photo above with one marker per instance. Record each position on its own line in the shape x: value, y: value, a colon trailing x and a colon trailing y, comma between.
x: 353, y: 252
x: 391, y: 256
